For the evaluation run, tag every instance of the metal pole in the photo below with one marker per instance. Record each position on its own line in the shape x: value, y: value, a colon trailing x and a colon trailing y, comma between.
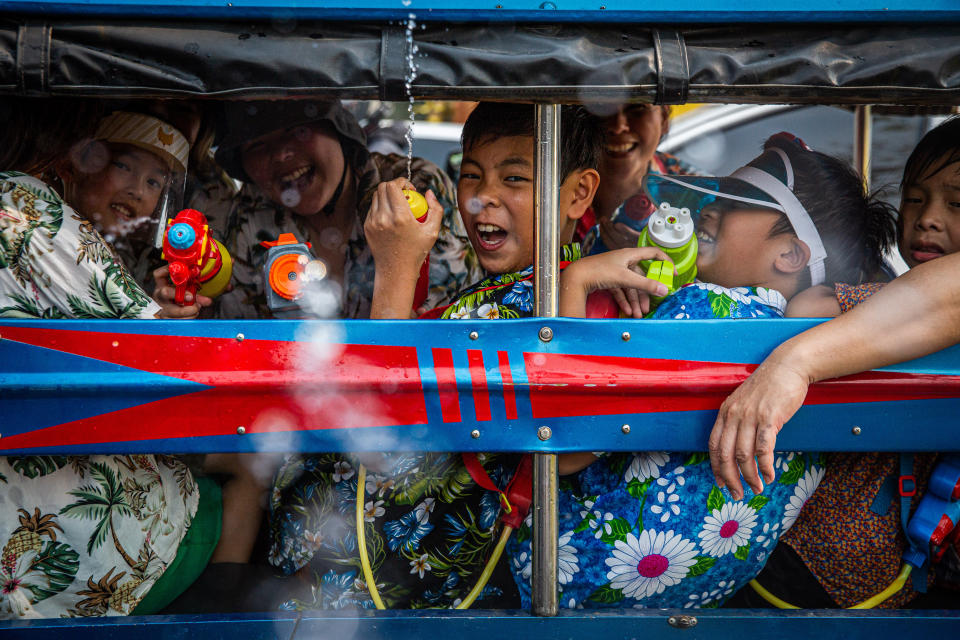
x: 862, y: 140
x: 545, y: 294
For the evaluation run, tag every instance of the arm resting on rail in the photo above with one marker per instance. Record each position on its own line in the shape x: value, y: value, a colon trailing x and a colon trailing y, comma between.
x: 745, y: 433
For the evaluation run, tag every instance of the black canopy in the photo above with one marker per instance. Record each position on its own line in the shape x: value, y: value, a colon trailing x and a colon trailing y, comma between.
x: 557, y: 63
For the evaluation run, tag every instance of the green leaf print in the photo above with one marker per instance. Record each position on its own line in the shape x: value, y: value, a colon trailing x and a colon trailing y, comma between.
x: 701, y: 566
x: 36, y: 466
x: 59, y: 563
x: 715, y: 500
x: 720, y: 304
x: 742, y: 552
x: 584, y: 524
x: 696, y: 458
x: 794, y: 472
x: 606, y: 595
x: 619, y: 528
x: 27, y: 308
x: 638, y: 489
x: 711, y: 605
x: 758, y: 502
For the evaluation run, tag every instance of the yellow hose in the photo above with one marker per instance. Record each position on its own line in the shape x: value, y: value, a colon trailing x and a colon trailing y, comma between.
x: 869, y: 603
x: 362, y: 540
x: 895, y: 586
x: 368, y: 570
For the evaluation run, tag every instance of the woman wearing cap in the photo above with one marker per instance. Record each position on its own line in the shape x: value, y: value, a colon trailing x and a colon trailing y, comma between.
x: 651, y: 529
x: 306, y: 171
x: 90, y: 535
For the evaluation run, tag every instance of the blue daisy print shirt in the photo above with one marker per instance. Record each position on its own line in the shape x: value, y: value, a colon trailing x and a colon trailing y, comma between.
x: 651, y: 529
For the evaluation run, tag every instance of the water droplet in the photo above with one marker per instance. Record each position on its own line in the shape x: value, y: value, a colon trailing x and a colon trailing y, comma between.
x: 474, y: 205
x: 290, y: 197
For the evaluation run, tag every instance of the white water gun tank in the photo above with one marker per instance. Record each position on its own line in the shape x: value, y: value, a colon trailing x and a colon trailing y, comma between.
x: 670, y: 227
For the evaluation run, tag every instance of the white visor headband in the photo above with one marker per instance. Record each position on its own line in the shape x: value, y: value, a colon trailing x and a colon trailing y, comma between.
x: 792, y: 208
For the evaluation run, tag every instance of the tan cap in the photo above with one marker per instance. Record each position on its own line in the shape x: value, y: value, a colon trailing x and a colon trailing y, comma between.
x: 148, y: 133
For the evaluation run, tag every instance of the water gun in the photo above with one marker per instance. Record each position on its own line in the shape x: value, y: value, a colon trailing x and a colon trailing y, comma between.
x: 198, y: 262
x: 671, y: 230
x: 933, y: 527
x: 418, y: 204
x: 289, y: 266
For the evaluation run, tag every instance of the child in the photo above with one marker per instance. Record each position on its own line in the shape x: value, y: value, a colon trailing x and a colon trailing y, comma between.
x: 434, y: 525
x: 652, y: 529
x: 862, y: 533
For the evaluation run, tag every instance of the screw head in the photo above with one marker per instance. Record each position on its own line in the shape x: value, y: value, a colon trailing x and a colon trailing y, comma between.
x: 475, y: 434
x: 474, y: 335
x: 544, y: 433
x: 241, y: 430
x: 239, y: 337
x: 546, y: 334
x: 856, y: 431
x: 625, y: 336
x: 625, y: 428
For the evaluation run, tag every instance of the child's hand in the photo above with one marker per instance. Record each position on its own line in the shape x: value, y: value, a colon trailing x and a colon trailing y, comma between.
x: 399, y: 244
x: 616, y: 270
x: 164, y: 294
x: 396, y: 238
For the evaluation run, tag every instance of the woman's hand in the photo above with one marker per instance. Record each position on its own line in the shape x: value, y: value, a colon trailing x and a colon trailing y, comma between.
x: 616, y: 270
x: 164, y: 293
x: 745, y: 432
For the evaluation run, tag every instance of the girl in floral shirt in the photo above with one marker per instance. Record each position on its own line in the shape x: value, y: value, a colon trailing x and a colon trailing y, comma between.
x: 652, y: 529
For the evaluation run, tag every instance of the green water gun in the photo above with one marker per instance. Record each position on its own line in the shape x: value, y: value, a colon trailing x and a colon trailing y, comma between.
x: 670, y: 230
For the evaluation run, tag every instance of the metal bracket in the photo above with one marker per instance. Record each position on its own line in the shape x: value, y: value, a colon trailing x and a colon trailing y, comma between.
x: 673, y: 68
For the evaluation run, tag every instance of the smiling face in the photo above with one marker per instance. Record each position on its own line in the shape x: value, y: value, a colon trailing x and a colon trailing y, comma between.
x: 929, y: 223
x: 633, y: 134
x: 298, y: 167
x: 495, y: 197
x: 125, y: 193
x: 735, y: 247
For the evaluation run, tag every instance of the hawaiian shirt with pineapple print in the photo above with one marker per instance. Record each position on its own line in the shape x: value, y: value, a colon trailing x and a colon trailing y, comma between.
x: 242, y: 220
x: 88, y: 535
x: 54, y: 264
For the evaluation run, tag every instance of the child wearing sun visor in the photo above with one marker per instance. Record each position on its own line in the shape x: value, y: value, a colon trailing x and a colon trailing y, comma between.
x: 652, y: 529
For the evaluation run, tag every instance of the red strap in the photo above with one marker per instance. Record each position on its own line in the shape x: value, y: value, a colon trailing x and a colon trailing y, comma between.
x: 518, y: 496
x: 423, y: 285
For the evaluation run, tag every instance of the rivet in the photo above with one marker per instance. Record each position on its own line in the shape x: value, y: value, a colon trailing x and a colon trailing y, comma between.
x: 856, y: 431
x: 239, y: 337
x: 625, y: 428
x: 546, y: 334
x: 547, y: 5
x: 625, y: 336
x: 116, y: 343
x: 544, y: 433
x: 475, y: 434
x: 499, y: 6
x: 241, y: 430
x: 682, y: 622
x: 474, y: 335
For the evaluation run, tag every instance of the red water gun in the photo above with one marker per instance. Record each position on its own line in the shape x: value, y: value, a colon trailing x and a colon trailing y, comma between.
x: 198, y: 263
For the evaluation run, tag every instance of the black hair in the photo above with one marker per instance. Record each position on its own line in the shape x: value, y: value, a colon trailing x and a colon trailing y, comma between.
x: 581, y: 133
x: 38, y: 132
x: 855, y: 228
x: 935, y: 151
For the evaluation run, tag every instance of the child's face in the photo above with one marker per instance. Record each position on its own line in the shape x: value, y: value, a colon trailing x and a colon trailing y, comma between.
x: 929, y: 221
x: 495, y: 197
x: 735, y: 248
x: 298, y: 167
x: 125, y: 192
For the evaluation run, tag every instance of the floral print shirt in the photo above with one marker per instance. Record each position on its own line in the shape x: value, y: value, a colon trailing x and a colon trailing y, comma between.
x: 242, y: 220
x: 88, y: 535
x: 703, y: 300
x: 54, y: 264
x: 505, y: 295
x: 651, y: 529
